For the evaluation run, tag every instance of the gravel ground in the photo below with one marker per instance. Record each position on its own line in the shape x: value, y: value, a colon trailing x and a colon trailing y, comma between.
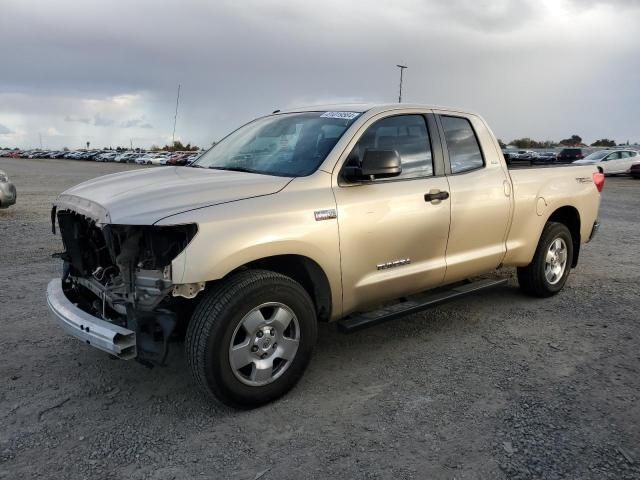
x: 493, y: 386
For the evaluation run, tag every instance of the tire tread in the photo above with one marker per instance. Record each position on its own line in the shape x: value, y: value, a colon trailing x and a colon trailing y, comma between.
x: 530, y: 279
x: 207, y: 315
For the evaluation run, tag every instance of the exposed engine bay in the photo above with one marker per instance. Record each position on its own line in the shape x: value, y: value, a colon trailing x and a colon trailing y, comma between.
x: 122, y: 274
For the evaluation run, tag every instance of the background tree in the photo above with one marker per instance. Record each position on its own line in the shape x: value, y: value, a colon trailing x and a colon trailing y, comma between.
x: 527, y: 142
x: 179, y: 147
x: 604, y: 142
x: 574, y: 141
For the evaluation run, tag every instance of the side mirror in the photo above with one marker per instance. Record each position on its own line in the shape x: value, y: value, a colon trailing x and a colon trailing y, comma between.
x: 375, y: 164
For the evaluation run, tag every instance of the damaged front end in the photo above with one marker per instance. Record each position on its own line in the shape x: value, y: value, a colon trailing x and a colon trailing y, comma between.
x: 122, y: 275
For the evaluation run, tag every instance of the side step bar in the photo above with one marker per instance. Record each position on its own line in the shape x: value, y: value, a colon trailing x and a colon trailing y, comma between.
x: 413, y: 305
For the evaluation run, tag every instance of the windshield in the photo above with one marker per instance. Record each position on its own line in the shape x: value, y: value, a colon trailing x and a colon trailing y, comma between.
x: 290, y: 145
x: 596, y: 156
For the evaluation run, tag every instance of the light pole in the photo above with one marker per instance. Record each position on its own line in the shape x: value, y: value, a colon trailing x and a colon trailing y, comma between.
x: 175, y: 119
x: 401, y: 67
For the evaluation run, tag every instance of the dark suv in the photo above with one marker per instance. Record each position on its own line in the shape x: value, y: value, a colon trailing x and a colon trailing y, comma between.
x: 569, y: 155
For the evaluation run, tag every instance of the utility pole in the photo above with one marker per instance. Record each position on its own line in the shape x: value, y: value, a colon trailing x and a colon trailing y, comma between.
x: 401, y: 67
x: 175, y: 119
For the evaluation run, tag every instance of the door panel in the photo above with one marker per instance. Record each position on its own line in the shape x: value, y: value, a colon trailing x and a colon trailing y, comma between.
x: 627, y: 160
x: 480, y: 213
x: 392, y: 239
x: 612, y: 163
x: 386, y: 222
x: 480, y: 198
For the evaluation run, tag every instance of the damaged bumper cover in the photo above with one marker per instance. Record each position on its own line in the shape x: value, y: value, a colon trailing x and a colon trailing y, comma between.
x: 116, y: 292
x: 98, y: 333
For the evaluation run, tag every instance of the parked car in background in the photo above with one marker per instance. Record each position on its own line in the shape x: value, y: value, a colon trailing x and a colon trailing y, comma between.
x: 90, y: 155
x: 569, y: 155
x: 612, y: 162
x: 8, y: 193
x: 192, y: 158
x: 145, y: 159
x: 526, y: 154
x: 178, y: 158
x: 122, y: 157
x: 544, y: 158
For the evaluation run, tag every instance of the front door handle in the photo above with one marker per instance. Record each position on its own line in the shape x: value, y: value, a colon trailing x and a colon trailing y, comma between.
x: 435, y: 196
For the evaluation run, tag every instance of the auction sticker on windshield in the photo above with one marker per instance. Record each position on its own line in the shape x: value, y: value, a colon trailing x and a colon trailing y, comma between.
x: 345, y: 115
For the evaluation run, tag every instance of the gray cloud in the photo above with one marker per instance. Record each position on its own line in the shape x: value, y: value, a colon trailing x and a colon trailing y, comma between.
x: 68, y: 118
x: 136, y: 122
x: 541, y: 69
x: 4, y: 130
x: 100, y: 121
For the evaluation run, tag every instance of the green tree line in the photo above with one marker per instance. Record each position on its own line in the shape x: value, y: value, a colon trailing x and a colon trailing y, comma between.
x: 573, y: 141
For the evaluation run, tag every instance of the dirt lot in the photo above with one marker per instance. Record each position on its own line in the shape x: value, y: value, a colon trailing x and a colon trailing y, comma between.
x: 493, y: 386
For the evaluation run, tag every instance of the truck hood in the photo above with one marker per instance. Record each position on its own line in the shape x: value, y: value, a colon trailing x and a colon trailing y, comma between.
x: 142, y: 197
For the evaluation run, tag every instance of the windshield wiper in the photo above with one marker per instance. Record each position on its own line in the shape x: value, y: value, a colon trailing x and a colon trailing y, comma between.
x: 233, y: 169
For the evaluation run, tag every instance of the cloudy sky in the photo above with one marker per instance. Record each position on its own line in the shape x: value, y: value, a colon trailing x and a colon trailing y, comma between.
x: 107, y: 71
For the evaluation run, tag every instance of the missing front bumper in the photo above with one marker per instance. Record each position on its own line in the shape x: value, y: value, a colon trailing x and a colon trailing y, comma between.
x: 94, y: 331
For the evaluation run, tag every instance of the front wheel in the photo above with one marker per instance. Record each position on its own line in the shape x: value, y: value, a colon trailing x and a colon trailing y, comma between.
x: 547, y: 273
x: 251, y: 338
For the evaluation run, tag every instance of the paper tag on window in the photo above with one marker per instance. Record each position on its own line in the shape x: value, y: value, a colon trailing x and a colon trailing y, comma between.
x: 345, y: 115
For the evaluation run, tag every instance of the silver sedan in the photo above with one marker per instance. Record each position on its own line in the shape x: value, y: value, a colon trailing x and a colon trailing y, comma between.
x: 7, y: 191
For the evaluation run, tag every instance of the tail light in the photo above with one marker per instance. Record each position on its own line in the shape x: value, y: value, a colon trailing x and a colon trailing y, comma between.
x: 598, y: 179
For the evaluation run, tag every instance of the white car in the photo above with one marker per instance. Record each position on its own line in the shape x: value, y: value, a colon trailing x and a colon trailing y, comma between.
x: 612, y: 162
x: 145, y: 159
x: 160, y: 159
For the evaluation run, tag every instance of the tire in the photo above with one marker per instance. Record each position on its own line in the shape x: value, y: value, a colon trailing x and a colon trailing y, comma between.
x: 534, y: 279
x: 238, y: 316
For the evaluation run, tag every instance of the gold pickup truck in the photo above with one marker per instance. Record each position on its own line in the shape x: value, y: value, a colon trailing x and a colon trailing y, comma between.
x: 353, y: 213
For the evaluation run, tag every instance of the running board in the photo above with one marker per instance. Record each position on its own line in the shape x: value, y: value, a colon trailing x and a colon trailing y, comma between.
x: 413, y: 305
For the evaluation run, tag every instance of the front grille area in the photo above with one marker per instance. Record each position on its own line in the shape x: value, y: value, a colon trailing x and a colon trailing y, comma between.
x: 84, y: 243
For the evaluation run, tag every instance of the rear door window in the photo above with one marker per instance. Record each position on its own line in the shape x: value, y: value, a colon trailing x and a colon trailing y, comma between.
x: 462, y: 144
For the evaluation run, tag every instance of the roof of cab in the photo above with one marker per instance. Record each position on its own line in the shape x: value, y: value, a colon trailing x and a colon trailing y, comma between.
x: 365, y: 107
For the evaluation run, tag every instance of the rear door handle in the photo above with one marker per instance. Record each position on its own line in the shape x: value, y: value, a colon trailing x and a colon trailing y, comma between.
x: 435, y: 196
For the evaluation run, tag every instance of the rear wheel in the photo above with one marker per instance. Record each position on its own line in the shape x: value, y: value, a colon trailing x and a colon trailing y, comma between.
x: 250, y: 340
x: 547, y: 273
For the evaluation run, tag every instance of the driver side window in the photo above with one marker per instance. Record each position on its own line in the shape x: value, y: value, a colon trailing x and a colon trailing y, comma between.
x: 407, y: 135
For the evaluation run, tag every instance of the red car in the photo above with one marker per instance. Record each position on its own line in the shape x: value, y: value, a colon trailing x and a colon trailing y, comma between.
x: 178, y: 159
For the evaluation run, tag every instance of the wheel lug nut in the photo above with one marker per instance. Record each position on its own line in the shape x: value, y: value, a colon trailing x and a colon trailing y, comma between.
x: 260, y: 333
x: 275, y: 345
x: 254, y: 349
x: 272, y: 332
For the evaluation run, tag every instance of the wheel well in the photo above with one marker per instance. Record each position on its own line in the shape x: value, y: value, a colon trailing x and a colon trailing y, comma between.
x: 304, y: 271
x: 570, y: 217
